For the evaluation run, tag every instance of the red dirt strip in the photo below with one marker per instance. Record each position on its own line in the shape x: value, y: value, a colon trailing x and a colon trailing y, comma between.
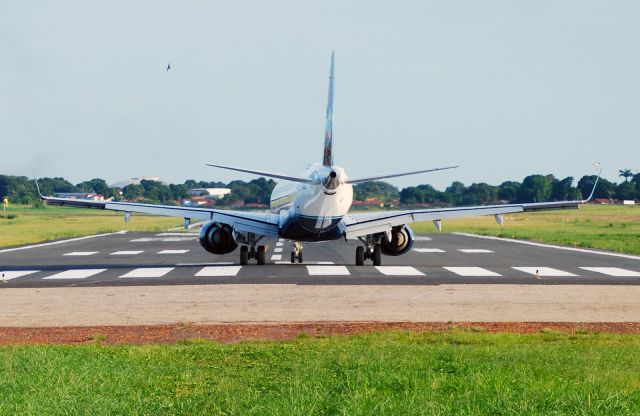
x: 234, y: 332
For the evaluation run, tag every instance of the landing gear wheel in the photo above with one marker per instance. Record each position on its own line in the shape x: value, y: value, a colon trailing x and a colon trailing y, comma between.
x: 260, y: 255
x: 377, y: 255
x: 300, y: 257
x: 244, y: 255
x: 360, y: 256
x: 293, y: 257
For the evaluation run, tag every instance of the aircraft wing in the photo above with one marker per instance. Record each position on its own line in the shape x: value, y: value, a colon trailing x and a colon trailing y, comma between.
x: 249, y: 222
x: 358, y: 225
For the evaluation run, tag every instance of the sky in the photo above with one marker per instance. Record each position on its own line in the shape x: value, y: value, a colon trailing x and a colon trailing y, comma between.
x: 502, y: 88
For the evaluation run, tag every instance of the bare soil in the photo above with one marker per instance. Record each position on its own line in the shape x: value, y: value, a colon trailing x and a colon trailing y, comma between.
x: 234, y: 332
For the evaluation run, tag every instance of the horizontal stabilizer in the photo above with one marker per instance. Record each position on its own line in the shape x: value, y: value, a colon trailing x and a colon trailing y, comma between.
x: 395, y: 175
x: 267, y: 174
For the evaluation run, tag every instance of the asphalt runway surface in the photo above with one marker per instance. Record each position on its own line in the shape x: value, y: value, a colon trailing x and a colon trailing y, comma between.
x: 172, y: 258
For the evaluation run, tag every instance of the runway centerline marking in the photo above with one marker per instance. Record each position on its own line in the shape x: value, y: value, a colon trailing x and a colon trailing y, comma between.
x: 475, y: 250
x: 173, y: 251
x: 422, y: 238
x: 428, y: 250
x: 126, y: 253
x: 213, y: 271
x: 277, y: 250
x: 81, y: 253
x: 545, y: 272
x: 613, y: 271
x: 472, y: 272
x: 74, y: 274
x: 12, y: 274
x: 279, y: 244
x: 276, y: 257
x: 399, y: 271
x: 148, y: 272
x: 328, y: 271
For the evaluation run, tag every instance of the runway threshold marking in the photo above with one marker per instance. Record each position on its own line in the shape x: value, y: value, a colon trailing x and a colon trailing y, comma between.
x: 475, y: 250
x: 328, y: 271
x: 472, y: 272
x: 74, y: 274
x: 545, y: 272
x: 173, y: 251
x: 12, y: 274
x: 399, y: 271
x: 148, y: 272
x: 428, y: 250
x: 276, y: 257
x: 613, y: 271
x: 126, y: 253
x: 277, y: 250
x: 81, y: 253
x: 213, y: 271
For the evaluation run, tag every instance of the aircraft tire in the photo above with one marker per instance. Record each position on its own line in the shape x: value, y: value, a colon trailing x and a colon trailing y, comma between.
x: 377, y: 255
x: 244, y: 255
x: 261, y: 255
x: 359, y: 256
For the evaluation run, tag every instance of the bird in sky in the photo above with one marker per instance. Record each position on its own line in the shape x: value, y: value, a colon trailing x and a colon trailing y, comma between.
x: 168, y: 66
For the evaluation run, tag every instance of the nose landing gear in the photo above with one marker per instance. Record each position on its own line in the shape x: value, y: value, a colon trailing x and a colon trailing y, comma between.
x: 251, y: 252
x: 370, y: 251
x: 297, y: 252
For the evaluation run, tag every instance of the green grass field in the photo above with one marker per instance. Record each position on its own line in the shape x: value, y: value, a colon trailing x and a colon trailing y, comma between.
x: 395, y: 373
x: 33, y: 225
x: 607, y: 227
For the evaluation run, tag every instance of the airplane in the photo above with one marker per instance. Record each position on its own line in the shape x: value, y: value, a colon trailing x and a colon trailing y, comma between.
x: 314, y: 207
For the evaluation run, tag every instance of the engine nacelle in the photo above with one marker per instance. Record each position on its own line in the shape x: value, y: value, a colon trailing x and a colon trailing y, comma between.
x: 401, y: 241
x: 217, y: 238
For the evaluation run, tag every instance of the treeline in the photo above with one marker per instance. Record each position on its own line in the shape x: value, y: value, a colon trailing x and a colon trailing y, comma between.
x: 534, y: 188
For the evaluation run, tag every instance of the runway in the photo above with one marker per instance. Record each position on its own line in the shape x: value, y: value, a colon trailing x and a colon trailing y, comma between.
x: 172, y: 258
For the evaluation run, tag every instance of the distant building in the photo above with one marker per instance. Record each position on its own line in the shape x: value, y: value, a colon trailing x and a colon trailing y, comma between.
x: 80, y: 195
x: 215, y: 193
x: 136, y: 181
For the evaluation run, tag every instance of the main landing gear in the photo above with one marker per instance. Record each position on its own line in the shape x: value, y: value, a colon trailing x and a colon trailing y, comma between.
x: 370, y: 251
x: 297, y: 252
x: 250, y: 251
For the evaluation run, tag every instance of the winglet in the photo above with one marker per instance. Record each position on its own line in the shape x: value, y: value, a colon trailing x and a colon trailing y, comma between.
x: 594, y: 185
x: 38, y: 189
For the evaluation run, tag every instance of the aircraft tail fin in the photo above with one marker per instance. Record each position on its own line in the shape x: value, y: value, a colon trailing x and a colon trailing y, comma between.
x: 327, y: 159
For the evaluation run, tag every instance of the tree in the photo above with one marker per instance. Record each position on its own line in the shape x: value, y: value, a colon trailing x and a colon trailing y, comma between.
x: 605, y: 189
x: 625, y: 173
x: 480, y: 193
x: 508, y: 191
x: 133, y: 191
x: 375, y: 189
x: 564, y: 191
x: 626, y: 190
x: 534, y: 188
x: 455, y: 192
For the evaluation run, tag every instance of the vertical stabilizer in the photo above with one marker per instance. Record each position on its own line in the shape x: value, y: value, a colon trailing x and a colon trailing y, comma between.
x: 327, y: 159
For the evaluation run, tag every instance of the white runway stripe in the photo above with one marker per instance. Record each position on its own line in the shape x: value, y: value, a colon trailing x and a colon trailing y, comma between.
x: 428, y: 250
x: 162, y: 239
x: 81, y: 253
x: 173, y: 251
x: 613, y: 271
x: 279, y: 244
x: 176, y: 234
x: 213, y: 271
x: 399, y: 271
x: 148, y: 272
x: 126, y: 253
x: 422, y: 238
x: 276, y: 257
x: 74, y: 274
x: 12, y: 274
x: 328, y: 271
x: 545, y: 272
x: 277, y: 250
x: 474, y: 250
x: 472, y: 271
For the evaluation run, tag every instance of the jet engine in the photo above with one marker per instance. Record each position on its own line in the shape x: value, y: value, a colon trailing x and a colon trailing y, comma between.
x: 401, y: 241
x: 217, y: 238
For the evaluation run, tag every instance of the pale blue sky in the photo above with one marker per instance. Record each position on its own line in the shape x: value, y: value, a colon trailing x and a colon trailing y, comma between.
x: 503, y: 88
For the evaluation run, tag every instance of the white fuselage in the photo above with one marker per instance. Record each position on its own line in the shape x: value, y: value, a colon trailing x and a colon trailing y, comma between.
x: 313, y: 209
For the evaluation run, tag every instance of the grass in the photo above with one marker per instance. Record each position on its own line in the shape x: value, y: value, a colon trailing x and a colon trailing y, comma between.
x: 24, y: 225
x: 607, y: 227
x: 450, y: 373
